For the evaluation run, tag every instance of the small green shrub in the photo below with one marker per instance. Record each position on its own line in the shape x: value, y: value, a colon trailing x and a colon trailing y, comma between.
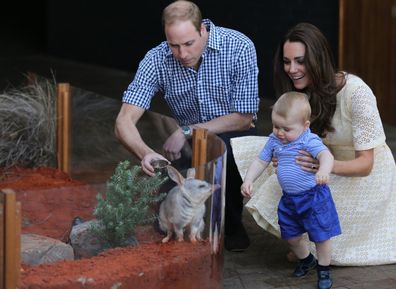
x: 129, y: 194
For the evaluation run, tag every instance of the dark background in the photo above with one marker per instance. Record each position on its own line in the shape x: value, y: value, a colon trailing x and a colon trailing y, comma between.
x: 117, y: 34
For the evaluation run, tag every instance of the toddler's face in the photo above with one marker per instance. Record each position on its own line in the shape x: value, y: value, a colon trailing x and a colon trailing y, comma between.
x: 288, y: 129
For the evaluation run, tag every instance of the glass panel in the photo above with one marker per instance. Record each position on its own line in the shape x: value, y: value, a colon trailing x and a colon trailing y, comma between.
x: 54, y: 204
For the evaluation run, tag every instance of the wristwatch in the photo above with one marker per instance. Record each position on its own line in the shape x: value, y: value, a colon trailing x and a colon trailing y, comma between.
x: 187, y: 131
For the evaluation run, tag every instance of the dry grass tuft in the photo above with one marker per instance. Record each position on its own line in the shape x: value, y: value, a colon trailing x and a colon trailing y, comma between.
x: 28, y: 125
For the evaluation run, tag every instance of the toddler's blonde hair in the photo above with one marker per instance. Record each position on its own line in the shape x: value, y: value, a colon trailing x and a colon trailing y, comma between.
x: 293, y: 103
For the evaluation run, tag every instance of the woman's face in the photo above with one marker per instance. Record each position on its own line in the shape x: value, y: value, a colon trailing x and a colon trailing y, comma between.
x: 294, y: 64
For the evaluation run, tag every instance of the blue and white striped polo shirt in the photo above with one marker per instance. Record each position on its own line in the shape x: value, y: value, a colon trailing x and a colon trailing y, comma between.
x: 292, y: 178
x: 226, y: 81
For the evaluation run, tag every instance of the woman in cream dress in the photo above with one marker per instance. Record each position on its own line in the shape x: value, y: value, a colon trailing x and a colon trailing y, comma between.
x: 363, y: 183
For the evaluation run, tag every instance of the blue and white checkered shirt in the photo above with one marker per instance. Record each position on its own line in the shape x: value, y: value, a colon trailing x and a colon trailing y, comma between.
x: 225, y: 82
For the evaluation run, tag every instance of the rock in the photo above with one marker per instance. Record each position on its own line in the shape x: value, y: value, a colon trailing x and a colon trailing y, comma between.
x: 84, y: 242
x: 37, y: 249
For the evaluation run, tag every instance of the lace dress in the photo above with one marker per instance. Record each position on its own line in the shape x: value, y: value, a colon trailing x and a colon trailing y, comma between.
x: 366, y: 205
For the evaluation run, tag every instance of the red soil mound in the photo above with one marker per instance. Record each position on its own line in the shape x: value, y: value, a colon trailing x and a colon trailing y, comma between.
x: 50, y: 200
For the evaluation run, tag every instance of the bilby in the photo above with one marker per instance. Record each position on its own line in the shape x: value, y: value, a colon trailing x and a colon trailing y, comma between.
x: 184, y: 206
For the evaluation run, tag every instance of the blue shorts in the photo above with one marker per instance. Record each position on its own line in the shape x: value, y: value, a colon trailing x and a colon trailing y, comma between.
x: 311, y: 211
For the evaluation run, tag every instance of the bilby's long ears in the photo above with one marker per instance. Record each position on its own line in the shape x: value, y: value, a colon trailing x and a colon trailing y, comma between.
x: 191, y: 173
x: 175, y: 175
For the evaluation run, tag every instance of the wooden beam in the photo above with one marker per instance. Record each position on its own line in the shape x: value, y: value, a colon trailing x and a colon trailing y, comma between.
x: 12, y: 240
x: 2, y: 239
x: 199, y: 151
x: 18, y: 244
x: 63, y: 126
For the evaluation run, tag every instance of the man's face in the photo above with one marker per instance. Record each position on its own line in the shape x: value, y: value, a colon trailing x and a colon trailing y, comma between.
x: 187, y: 44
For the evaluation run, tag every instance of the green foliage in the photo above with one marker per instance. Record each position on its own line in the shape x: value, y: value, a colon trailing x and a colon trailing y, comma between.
x: 129, y: 194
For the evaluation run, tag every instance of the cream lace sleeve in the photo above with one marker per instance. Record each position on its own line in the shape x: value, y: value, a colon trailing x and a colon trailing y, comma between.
x: 367, y: 126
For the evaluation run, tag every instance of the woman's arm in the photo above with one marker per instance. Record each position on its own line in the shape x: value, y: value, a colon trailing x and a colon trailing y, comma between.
x: 360, y: 166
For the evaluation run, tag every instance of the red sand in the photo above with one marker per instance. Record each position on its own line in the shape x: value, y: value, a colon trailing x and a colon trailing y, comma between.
x: 50, y: 200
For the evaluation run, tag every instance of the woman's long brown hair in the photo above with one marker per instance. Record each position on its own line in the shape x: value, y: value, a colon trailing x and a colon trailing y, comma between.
x: 319, y: 64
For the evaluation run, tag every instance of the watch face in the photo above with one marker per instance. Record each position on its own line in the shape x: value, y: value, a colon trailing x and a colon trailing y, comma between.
x: 186, y: 130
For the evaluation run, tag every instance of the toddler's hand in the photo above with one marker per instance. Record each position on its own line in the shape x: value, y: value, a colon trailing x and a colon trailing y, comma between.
x: 322, y: 178
x: 246, y: 189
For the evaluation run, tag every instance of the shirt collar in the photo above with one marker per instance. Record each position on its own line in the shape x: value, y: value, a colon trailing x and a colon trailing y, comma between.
x: 302, y: 138
x: 214, y: 41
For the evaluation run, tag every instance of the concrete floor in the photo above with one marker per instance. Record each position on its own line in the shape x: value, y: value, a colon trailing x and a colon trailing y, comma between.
x: 264, y: 264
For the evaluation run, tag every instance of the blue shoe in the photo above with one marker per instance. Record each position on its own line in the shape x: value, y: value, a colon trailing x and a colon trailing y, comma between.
x: 302, y: 268
x: 324, y: 280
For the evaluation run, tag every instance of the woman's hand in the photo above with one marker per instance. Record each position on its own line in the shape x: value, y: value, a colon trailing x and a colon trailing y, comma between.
x: 307, y: 162
x: 274, y: 161
x: 246, y: 189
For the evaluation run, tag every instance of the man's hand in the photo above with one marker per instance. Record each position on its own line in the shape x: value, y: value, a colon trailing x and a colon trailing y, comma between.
x: 174, y: 144
x: 146, y: 162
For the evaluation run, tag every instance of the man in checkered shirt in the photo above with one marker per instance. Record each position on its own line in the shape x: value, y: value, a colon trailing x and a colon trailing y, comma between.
x: 208, y: 77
